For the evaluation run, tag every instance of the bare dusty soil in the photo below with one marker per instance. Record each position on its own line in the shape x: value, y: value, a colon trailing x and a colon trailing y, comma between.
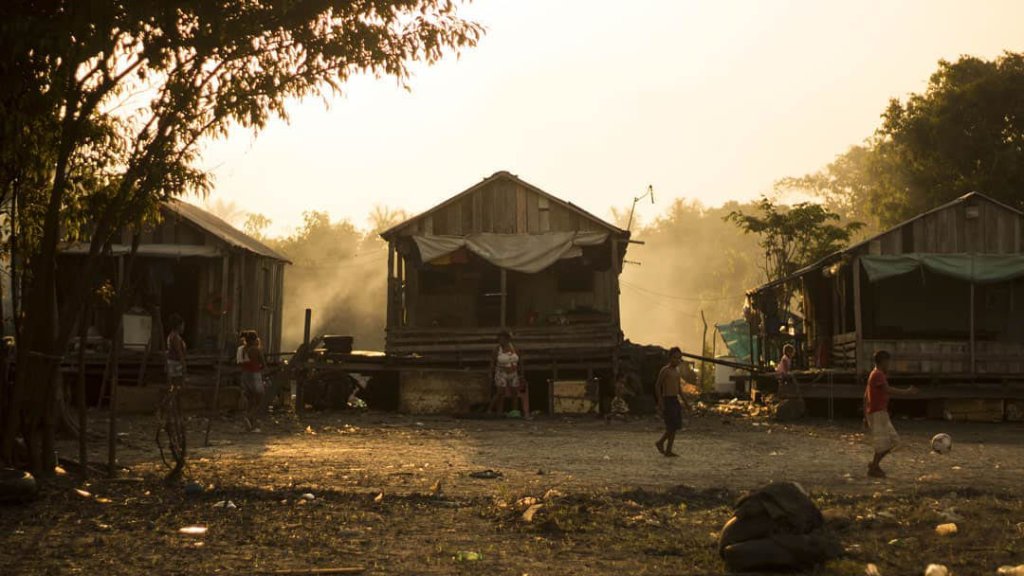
x: 394, y: 495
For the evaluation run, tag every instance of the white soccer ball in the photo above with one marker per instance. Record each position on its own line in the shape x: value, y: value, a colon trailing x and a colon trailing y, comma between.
x: 942, y: 443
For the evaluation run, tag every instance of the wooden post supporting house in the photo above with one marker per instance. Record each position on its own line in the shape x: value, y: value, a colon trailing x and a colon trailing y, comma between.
x: 858, y: 322
x: 613, y: 290
x: 973, y: 335
x: 504, y: 298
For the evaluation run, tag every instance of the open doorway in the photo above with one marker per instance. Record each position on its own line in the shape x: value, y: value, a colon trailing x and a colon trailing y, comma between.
x: 179, y: 294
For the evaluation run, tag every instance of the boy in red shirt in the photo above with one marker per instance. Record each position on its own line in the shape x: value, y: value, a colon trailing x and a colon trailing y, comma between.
x: 876, y: 412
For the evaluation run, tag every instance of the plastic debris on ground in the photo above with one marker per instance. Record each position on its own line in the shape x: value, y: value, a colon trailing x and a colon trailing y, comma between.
x: 531, y: 512
x: 193, y: 530
x: 936, y: 570
x: 872, y: 570
x: 946, y: 529
x: 1011, y: 570
x: 468, y: 556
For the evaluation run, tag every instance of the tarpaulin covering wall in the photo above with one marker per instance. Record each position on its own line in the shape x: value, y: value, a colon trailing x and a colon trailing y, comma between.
x: 979, y: 268
x: 736, y: 335
x: 529, y: 253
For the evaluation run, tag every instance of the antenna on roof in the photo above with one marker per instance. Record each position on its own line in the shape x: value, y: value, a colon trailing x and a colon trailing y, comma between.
x: 649, y: 193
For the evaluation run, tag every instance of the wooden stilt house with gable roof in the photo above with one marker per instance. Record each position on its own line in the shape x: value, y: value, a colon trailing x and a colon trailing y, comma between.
x: 505, y: 255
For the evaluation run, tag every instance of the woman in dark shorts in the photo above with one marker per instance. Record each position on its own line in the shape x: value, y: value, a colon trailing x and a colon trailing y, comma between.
x: 670, y: 407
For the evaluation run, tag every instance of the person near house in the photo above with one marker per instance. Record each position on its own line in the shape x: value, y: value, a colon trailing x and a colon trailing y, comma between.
x: 240, y: 351
x: 619, y: 408
x: 509, y: 383
x: 784, y: 369
x: 668, y: 391
x: 252, y: 378
x: 176, y: 364
x: 876, y: 412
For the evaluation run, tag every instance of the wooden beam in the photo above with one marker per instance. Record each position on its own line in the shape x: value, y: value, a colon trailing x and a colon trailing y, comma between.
x: 857, y: 311
x: 400, y: 292
x: 616, y: 271
x: 225, y: 275
x: 504, y: 298
x: 974, y: 356
x: 391, y: 312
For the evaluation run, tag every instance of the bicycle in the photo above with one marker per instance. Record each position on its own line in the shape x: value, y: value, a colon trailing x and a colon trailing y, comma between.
x: 171, y: 424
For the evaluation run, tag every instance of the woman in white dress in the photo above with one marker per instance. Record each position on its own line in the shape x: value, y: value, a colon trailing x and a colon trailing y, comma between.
x: 508, y: 381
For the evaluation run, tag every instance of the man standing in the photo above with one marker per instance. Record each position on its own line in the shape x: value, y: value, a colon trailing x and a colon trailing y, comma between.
x: 670, y: 406
x: 876, y: 412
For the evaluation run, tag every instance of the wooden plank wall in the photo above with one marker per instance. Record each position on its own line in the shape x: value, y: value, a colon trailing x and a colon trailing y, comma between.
x: 502, y: 207
x: 170, y: 230
x: 948, y: 357
x: 995, y: 230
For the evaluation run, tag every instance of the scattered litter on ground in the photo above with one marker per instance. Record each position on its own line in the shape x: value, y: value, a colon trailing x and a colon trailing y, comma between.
x: 83, y: 493
x: 193, y: 530
x: 486, y: 474
x: 936, y: 570
x: 531, y: 512
x: 903, y: 542
x: 308, y: 497
x: 468, y: 556
x: 379, y: 498
x: 553, y: 494
x: 1011, y: 570
x: 524, y: 503
x: 872, y: 570
x: 946, y: 529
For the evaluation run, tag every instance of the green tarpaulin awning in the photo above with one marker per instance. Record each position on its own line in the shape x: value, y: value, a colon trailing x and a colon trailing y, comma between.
x: 736, y: 335
x: 979, y: 268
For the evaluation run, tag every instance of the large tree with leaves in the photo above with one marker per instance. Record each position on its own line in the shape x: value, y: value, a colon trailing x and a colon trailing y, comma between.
x: 963, y: 133
x: 793, y: 237
x: 106, y: 103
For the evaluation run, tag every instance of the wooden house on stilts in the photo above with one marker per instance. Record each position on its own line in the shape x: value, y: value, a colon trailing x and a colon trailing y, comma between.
x: 505, y: 255
x: 942, y: 292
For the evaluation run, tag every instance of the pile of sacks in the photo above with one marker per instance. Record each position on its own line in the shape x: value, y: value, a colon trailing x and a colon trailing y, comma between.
x: 776, y: 528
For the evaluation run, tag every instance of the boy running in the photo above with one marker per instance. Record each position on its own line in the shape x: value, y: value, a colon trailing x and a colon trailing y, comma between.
x: 876, y: 412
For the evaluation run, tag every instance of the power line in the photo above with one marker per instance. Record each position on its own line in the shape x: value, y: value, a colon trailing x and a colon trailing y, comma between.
x: 674, y: 297
x: 663, y: 305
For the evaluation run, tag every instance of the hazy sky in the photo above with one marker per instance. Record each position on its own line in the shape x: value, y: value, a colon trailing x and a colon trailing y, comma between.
x: 594, y: 100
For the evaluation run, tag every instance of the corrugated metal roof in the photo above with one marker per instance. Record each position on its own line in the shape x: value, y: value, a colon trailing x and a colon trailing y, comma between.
x: 219, y: 228
x: 504, y: 174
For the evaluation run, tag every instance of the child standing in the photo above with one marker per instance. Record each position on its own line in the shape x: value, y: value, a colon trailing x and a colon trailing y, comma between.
x: 619, y: 408
x: 176, y: 366
x: 252, y: 378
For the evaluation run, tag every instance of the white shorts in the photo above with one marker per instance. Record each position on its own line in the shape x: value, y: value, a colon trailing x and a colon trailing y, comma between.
x: 883, y: 434
x: 175, y: 369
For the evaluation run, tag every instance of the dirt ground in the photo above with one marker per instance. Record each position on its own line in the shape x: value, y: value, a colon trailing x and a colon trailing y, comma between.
x: 393, y: 495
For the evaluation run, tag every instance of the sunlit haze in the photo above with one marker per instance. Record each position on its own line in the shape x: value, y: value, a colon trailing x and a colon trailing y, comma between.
x: 595, y: 101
